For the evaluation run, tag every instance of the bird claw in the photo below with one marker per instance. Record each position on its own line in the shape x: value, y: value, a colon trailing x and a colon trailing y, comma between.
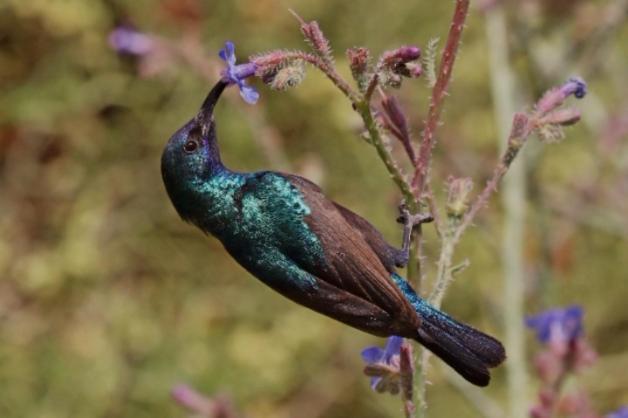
x: 402, y: 258
x: 411, y: 220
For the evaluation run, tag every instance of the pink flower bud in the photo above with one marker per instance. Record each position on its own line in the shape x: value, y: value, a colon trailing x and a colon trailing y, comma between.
x: 458, y: 194
x: 549, y: 366
x: 358, y: 59
x: 415, y: 69
x: 562, y: 117
x: 539, y: 411
x: 268, y: 62
x: 192, y: 400
x: 401, y: 55
x: 314, y: 35
x: 557, y: 96
x: 584, y: 355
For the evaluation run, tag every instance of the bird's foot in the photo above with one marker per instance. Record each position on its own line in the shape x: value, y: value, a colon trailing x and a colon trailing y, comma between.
x: 409, y: 221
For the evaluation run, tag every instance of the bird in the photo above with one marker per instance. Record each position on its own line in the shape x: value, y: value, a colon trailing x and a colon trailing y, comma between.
x: 284, y: 230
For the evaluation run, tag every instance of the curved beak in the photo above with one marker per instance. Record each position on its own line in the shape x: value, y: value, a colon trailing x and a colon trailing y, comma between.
x: 205, y: 115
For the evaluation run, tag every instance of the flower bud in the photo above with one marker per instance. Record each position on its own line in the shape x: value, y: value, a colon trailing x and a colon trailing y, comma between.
x: 403, y: 55
x: 191, y: 399
x: 458, y: 194
x: 557, y: 96
x: 314, y: 36
x: 359, y: 61
x: 413, y: 69
x: 395, y: 114
x: 289, y: 76
x: 563, y: 117
x: 359, y: 58
x: 398, y: 63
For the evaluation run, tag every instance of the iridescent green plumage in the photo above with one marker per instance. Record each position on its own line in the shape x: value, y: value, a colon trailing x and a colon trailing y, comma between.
x: 283, y: 230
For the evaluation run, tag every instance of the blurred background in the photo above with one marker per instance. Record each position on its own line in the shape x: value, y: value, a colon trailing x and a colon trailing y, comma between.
x: 107, y: 299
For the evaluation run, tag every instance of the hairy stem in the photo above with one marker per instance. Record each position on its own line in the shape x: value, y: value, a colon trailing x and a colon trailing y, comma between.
x: 422, y: 164
x: 364, y: 110
x: 407, y: 374
x: 329, y: 71
x: 376, y: 136
x: 521, y: 129
x: 443, y: 272
x: 439, y: 92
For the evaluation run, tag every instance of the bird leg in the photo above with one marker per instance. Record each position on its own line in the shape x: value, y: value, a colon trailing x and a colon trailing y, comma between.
x: 409, y: 221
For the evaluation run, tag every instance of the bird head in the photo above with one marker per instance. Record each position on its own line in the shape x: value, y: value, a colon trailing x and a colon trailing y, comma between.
x: 191, y: 154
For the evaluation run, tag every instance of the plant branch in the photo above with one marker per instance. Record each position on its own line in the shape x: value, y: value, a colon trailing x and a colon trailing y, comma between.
x: 378, y: 141
x: 407, y: 373
x: 521, y: 129
x: 514, y: 203
x: 439, y: 92
x: 328, y: 70
x: 363, y: 108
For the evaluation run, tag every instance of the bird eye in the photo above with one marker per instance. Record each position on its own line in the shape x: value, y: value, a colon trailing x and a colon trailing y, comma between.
x: 190, y: 146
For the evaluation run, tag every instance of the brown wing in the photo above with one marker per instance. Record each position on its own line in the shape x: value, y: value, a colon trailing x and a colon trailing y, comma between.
x: 387, y: 253
x: 351, y: 263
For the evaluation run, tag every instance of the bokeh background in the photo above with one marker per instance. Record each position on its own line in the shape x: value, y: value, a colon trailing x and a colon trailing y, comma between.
x: 107, y: 299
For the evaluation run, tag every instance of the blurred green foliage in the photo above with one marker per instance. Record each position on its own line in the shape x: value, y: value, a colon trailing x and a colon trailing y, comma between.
x: 107, y: 299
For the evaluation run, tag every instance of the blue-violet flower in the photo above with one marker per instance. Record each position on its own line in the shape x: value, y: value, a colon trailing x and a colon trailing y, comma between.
x: 383, y: 365
x: 126, y: 40
x: 576, y: 86
x: 620, y: 413
x: 556, y: 96
x: 236, y: 74
x: 557, y: 325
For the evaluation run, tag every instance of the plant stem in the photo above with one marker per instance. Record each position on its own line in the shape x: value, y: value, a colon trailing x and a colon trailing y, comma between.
x: 329, y: 71
x: 521, y: 129
x: 514, y: 201
x: 439, y: 92
x: 422, y: 163
x: 407, y: 372
x: 363, y: 107
x: 443, y: 272
x: 377, y: 138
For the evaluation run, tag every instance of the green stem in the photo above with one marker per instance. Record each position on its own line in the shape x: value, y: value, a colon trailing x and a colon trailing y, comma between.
x: 443, y: 272
x: 377, y: 139
x: 514, y: 201
x: 414, y: 268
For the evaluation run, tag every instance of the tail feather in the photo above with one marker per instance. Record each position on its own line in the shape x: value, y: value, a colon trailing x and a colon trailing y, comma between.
x: 489, y: 350
x: 468, y: 351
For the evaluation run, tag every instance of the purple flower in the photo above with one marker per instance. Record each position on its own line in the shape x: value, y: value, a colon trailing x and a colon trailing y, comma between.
x: 383, y: 363
x: 236, y: 74
x: 126, y: 40
x: 557, y: 325
x: 402, y: 54
x: 556, y: 96
x: 575, y: 86
x: 620, y: 413
x: 191, y: 399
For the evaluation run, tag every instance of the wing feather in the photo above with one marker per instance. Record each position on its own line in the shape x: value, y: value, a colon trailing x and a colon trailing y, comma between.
x: 351, y: 263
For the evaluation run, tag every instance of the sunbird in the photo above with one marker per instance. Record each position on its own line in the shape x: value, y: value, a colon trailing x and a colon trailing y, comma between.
x: 287, y: 233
